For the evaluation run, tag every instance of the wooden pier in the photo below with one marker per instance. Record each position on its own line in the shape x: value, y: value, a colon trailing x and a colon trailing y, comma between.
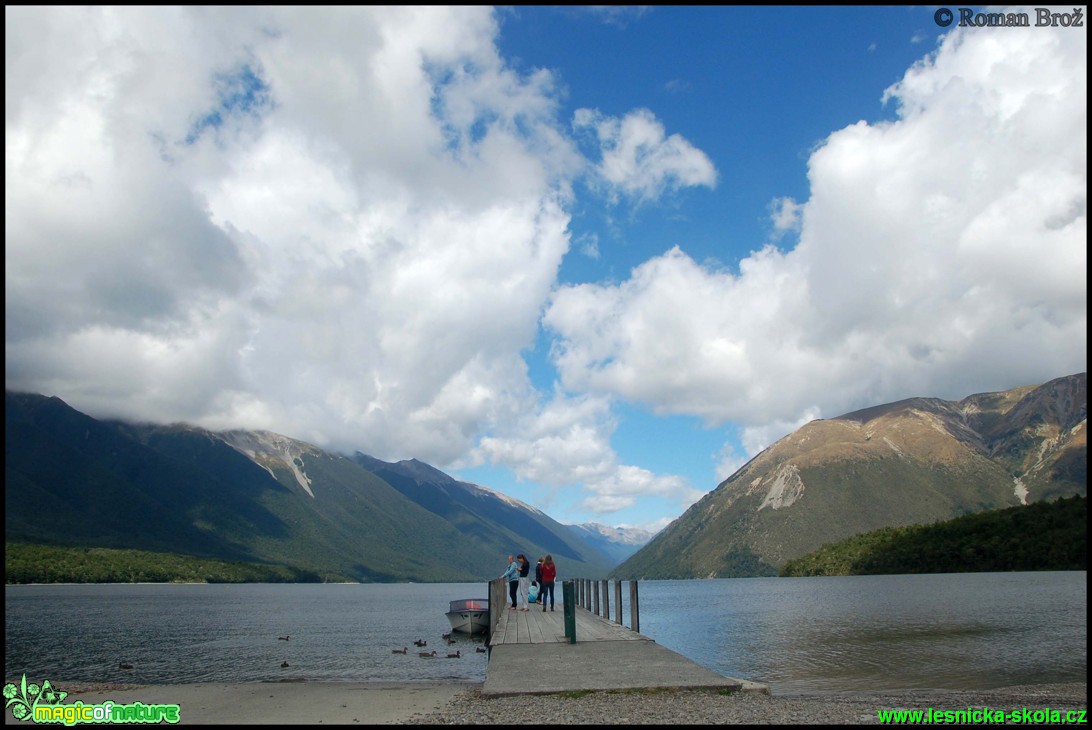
x: 575, y: 648
x: 536, y: 626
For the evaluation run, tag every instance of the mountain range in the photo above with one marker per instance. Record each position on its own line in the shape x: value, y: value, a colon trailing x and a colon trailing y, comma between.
x: 916, y: 461
x: 261, y: 497
x: 256, y: 496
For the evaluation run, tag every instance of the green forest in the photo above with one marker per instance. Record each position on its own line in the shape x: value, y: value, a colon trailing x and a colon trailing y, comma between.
x: 1039, y: 536
x: 28, y: 563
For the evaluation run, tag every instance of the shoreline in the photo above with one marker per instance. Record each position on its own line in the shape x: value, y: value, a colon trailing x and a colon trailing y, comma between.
x: 447, y: 703
x: 273, y: 703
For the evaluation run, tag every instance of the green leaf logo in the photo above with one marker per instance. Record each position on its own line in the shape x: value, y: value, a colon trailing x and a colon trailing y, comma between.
x: 23, y: 699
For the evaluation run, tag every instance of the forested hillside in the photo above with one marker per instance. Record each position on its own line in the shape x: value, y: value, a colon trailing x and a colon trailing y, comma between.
x: 1040, y: 536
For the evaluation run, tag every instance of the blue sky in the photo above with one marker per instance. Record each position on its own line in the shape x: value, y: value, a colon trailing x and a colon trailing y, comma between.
x: 593, y: 258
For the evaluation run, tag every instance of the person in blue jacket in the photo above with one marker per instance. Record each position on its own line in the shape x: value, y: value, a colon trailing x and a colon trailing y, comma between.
x: 512, y: 574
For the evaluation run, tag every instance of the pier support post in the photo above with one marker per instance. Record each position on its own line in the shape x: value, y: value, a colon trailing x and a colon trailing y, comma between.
x: 568, y: 605
x: 617, y: 602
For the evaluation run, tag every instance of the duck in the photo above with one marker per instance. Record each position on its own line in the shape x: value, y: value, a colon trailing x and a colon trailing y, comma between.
x: 285, y: 638
x: 427, y: 654
x: 452, y: 641
x: 458, y: 653
x: 284, y: 665
x: 403, y: 650
x: 420, y: 642
x: 125, y: 665
x: 446, y: 636
x: 480, y: 650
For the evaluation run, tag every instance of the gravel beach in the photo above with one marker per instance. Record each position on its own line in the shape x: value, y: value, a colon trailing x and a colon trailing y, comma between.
x: 343, y: 703
x: 705, y: 707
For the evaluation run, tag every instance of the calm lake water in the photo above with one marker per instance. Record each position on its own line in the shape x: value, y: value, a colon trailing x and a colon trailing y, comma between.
x: 798, y: 635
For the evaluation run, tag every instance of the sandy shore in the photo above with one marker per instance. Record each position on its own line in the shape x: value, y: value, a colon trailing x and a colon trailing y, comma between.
x: 344, y: 703
x: 279, y: 703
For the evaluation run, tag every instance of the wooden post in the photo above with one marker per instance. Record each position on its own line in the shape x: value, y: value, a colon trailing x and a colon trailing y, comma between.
x: 492, y: 591
x: 617, y: 602
x: 634, y: 613
x: 604, y: 585
x: 594, y: 585
x: 568, y: 605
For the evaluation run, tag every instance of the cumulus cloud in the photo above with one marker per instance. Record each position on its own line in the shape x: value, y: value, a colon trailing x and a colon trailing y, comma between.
x: 199, y: 231
x: 939, y: 253
x: 196, y: 230
x: 567, y: 442
x: 639, y: 160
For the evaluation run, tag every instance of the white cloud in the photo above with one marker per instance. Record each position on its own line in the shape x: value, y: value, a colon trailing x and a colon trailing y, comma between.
x: 639, y: 160
x: 198, y: 230
x: 588, y: 244
x: 939, y: 254
x: 567, y: 442
x: 785, y: 214
x: 357, y: 262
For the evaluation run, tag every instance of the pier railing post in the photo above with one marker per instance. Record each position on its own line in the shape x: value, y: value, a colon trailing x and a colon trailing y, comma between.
x: 568, y: 605
x: 595, y: 596
x: 634, y: 612
x: 617, y: 602
x: 605, y: 587
x: 495, y: 591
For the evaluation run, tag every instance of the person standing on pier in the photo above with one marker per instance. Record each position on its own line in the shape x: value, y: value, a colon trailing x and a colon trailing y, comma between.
x: 546, y: 582
x: 538, y: 581
x: 512, y: 574
x: 524, y: 580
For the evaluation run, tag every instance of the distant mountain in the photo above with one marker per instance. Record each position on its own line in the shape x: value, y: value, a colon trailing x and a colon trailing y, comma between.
x: 500, y: 524
x: 617, y: 542
x: 917, y: 461
x: 256, y: 496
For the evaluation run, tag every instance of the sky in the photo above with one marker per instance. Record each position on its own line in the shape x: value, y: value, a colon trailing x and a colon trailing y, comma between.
x: 595, y: 258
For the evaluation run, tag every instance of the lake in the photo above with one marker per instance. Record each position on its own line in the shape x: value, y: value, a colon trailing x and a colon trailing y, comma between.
x: 797, y: 635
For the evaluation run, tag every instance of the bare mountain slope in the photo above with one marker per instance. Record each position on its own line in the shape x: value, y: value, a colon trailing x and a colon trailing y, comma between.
x: 916, y: 461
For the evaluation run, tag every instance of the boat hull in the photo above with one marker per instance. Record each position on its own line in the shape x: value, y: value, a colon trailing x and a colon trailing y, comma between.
x: 469, y: 616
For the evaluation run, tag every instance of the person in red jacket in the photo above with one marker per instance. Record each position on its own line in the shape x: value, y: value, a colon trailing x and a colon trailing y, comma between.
x: 546, y: 585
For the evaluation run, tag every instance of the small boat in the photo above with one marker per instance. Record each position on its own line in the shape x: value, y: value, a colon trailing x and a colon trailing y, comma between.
x: 469, y: 615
